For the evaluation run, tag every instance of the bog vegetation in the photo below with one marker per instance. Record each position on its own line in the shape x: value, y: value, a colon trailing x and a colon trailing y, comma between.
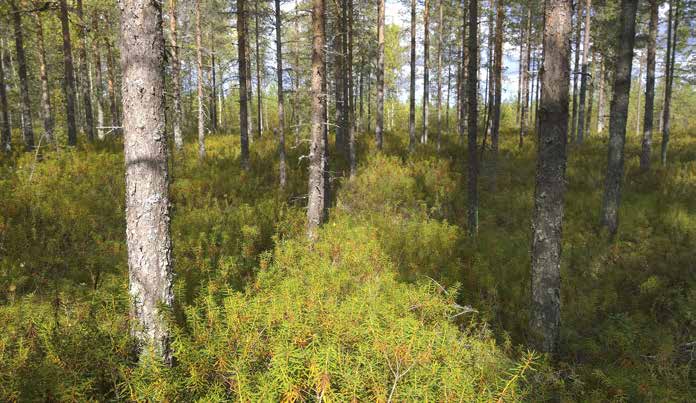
x: 291, y: 225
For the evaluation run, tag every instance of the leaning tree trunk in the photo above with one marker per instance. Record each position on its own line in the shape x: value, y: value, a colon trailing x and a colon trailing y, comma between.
x: 426, y: 71
x: 472, y: 93
x: 46, y: 111
x: 27, y: 127
x: 578, y: 35
x: 584, y: 73
x: 147, y: 181
x: 243, y: 102
x: 176, y: 75
x: 86, y: 92
x: 649, y: 88
x: 281, y: 109
x: 547, y: 219
x: 68, y: 75
x: 618, y: 117
x: 317, y: 200
x: 5, y: 132
x: 199, y: 83
x: 412, y: 83
x: 379, y: 126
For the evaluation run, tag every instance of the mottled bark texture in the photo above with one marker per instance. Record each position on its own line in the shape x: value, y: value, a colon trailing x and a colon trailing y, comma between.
x: 46, y: 112
x: 85, y: 90
x: 472, y: 93
x: 412, y: 82
x: 5, y: 133
x: 243, y: 82
x: 646, y: 145
x: 176, y: 75
x: 618, y: 116
x: 584, y: 73
x: 317, y: 185
x: 281, y: 109
x: 147, y: 195
x: 547, y: 219
x: 379, y: 126
x: 27, y: 127
x: 68, y: 75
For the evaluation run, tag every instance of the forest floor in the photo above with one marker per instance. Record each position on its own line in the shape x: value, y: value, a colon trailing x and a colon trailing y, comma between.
x: 629, y: 304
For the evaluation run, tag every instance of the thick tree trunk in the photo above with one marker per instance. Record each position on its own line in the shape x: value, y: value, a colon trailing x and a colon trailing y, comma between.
x: 618, y: 117
x: 27, y: 127
x: 439, y: 77
x: 672, y: 24
x: 243, y: 81
x: 317, y: 200
x: 176, y: 75
x: 147, y: 181
x: 649, y: 87
x: 259, y: 78
x: 524, y: 103
x: 379, y: 126
x: 5, y: 132
x: 426, y: 71
x: 281, y: 109
x: 584, y: 73
x: 68, y: 75
x: 547, y: 220
x: 85, y: 89
x: 576, y: 67
x: 412, y: 83
x: 199, y: 83
x: 46, y: 112
x: 472, y: 95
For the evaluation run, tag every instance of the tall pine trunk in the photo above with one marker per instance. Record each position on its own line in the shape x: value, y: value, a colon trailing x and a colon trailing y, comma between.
x: 27, y: 127
x: 602, y: 98
x: 111, y: 85
x: 243, y: 82
x: 98, y: 77
x: 649, y: 87
x: 379, y: 126
x: 672, y: 25
x: 439, y: 77
x: 618, y: 117
x: 524, y: 106
x: 547, y: 218
x: 584, y: 73
x: 281, y: 108
x: 147, y: 182
x: 412, y: 82
x: 351, y: 100
x: 259, y: 78
x: 426, y: 71
x: 84, y: 86
x: 576, y: 67
x: 5, y: 132
x: 46, y: 111
x: 472, y: 95
x: 498, y: 73
x: 176, y: 75
x: 199, y: 83
x: 68, y: 75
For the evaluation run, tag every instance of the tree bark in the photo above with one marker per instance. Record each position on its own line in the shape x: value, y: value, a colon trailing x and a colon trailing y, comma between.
x: 259, y: 63
x: 84, y: 73
x: 27, y: 127
x: 578, y: 36
x: 316, y: 202
x: 601, y: 100
x: 379, y: 126
x: 243, y: 81
x: 498, y: 73
x: 176, y: 75
x: 199, y: 83
x: 524, y: 103
x: 213, y: 85
x: 412, y: 87
x: 472, y: 94
x: 351, y: 102
x: 462, y: 99
x: 547, y: 220
x: 618, y: 117
x: 649, y: 87
x: 439, y: 77
x: 98, y: 77
x: 46, y: 111
x: 426, y: 71
x: 147, y: 181
x: 281, y: 109
x: 672, y: 24
x: 590, y: 97
x: 111, y: 84
x: 5, y: 132
x: 584, y: 73
x: 68, y: 75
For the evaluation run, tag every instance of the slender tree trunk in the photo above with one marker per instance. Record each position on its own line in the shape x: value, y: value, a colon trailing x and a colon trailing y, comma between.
x: 584, y: 72
x: 281, y: 109
x: 524, y: 105
x: 339, y: 76
x: 259, y: 79
x: 426, y: 70
x: 672, y: 24
x: 315, y: 206
x: 412, y: 88
x: 176, y: 75
x: 576, y: 68
x: 99, y: 78
x: 547, y: 220
x: 147, y: 181
x: 619, y: 114
x: 243, y: 92
x: 351, y: 101
x: 69, y: 75
x: 297, y: 117
x: 601, y: 101
x: 472, y: 93
x: 84, y: 73
x: 498, y: 72
x: 641, y: 65
x: 649, y: 87
x: 5, y: 132
x: 462, y: 100
x: 439, y: 77
x: 369, y: 101
x: 490, y: 84
x: 379, y: 126
x: 213, y: 85
x: 447, y: 97
x: 590, y: 97
x: 360, y: 94
x: 199, y: 83
x: 46, y: 111
x: 27, y: 127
